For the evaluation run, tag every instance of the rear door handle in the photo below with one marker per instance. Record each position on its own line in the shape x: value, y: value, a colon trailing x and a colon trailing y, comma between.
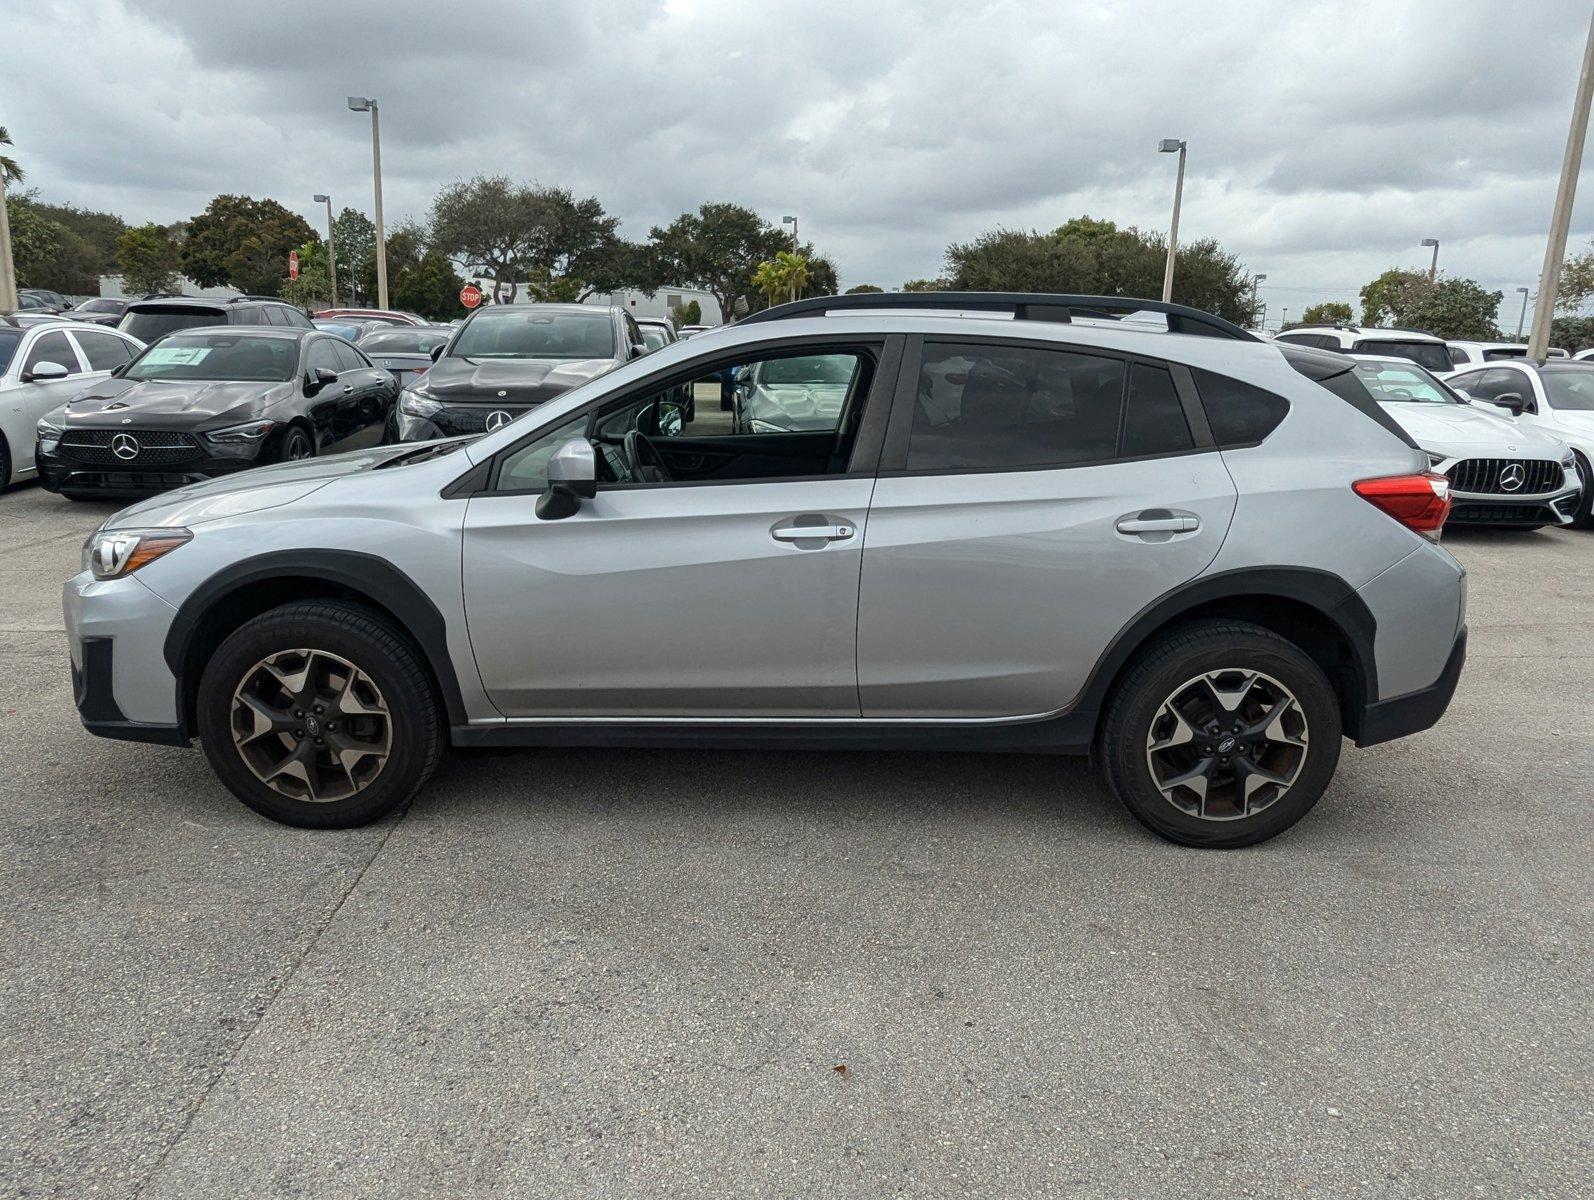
x: 1160, y: 522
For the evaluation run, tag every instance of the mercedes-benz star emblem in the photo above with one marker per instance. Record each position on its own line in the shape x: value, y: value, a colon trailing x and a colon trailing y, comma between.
x: 124, y: 446
x: 1513, y: 477
x: 498, y: 417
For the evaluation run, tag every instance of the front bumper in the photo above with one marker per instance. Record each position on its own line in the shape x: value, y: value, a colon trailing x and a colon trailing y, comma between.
x: 456, y: 420
x: 1548, y: 491
x: 87, y: 471
x: 116, y: 632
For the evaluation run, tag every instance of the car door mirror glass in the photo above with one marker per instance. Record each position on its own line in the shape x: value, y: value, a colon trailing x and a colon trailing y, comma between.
x: 672, y: 419
x: 319, y: 378
x: 572, y: 477
x: 44, y: 372
x: 437, y: 351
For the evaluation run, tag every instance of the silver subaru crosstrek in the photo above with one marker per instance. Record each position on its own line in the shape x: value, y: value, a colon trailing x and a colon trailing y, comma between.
x: 1040, y: 523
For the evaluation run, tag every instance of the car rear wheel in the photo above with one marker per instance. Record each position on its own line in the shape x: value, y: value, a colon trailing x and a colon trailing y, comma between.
x: 296, y: 444
x: 1221, y: 734
x: 320, y: 715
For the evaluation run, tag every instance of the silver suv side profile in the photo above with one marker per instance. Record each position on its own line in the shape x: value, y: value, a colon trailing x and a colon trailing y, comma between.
x: 1062, y: 524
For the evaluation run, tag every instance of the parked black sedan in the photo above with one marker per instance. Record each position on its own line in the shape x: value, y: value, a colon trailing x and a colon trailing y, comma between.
x: 207, y: 402
x: 405, y: 350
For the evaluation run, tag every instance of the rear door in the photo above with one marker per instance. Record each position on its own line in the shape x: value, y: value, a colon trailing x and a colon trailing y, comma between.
x: 1033, y: 497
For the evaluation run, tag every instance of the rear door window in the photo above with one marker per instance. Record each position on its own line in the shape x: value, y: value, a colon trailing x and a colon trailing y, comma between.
x: 984, y: 406
x: 1433, y: 355
x: 1154, y: 421
x: 348, y: 357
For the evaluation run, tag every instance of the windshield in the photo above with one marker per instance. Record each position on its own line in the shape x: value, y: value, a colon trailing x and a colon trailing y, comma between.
x: 653, y: 337
x: 342, y: 328
x: 10, y: 339
x: 536, y: 334
x: 825, y: 368
x: 1569, y: 390
x: 217, y: 357
x: 105, y: 306
x: 1394, y: 383
x: 1433, y: 355
x: 152, y: 324
x: 403, y: 341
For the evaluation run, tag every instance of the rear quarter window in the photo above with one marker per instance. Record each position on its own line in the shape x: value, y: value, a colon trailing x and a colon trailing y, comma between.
x: 1239, y: 413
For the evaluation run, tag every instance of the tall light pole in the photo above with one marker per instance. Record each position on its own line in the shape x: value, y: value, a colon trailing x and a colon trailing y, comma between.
x: 1523, y: 315
x: 8, y: 272
x: 363, y: 104
x: 1433, y: 267
x: 1256, y: 286
x: 1168, y: 146
x: 792, y: 221
x: 332, y: 249
x: 1561, y: 215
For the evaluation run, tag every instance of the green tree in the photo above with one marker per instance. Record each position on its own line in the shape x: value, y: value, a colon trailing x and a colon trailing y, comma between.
x: 1449, y: 308
x: 1572, y: 333
x: 690, y: 313
x: 717, y: 248
x: 487, y: 224
x: 1577, y: 282
x: 313, y: 288
x: 11, y: 172
x: 147, y: 257
x: 37, y: 242
x: 862, y: 288
x: 84, y: 245
x: 354, y: 239
x: 926, y: 285
x: 429, y: 286
x: 1330, y: 312
x: 783, y: 277
x: 243, y: 242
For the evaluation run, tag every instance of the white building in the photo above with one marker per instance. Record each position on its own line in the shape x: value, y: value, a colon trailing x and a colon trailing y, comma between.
x: 111, y: 285
x: 659, y: 304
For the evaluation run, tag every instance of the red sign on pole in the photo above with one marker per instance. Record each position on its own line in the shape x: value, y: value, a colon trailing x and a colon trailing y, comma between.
x: 470, y: 295
x: 293, y: 264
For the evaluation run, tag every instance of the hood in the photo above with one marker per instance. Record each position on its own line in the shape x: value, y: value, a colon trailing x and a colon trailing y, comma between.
x: 797, y: 406
x: 1575, y: 421
x: 170, y: 404
x: 508, y: 380
x: 250, y: 491
x: 1468, y: 429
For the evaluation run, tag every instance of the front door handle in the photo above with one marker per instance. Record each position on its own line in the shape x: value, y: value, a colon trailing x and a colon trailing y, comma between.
x: 812, y: 530
x: 1158, y: 521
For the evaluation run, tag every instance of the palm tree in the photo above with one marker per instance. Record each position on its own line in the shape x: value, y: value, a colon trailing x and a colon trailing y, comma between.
x: 10, y: 170
x: 784, y: 275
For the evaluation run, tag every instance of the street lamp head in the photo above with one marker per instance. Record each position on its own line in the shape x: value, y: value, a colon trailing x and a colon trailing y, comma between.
x: 1524, y: 291
x: 788, y: 220
x: 360, y: 104
x: 1260, y: 278
x: 320, y: 199
x: 1430, y: 241
x: 1170, y: 146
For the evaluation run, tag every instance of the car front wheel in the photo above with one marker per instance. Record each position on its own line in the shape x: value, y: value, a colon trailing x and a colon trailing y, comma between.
x: 319, y: 714
x: 296, y: 444
x: 1221, y: 734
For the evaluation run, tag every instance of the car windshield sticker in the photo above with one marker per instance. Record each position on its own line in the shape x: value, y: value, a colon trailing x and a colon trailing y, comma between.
x: 176, y: 356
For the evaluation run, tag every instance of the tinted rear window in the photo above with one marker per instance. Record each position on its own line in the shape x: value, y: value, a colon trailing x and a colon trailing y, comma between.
x: 1154, y: 422
x: 149, y: 324
x: 1240, y: 415
x: 1433, y: 355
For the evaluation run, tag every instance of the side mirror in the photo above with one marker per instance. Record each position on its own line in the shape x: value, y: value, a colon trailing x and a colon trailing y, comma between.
x: 320, y: 378
x: 119, y: 370
x: 1510, y: 401
x: 437, y: 350
x: 572, y: 477
x: 44, y: 372
x: 743, y: 376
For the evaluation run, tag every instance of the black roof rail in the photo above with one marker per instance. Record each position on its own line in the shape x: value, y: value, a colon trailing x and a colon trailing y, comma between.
x: 1025, y: 306
x: 236, y: 299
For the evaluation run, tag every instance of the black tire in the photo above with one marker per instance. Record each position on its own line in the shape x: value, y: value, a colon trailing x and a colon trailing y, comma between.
x: 1159, y: 672
x: 296, y: 444
x: 1583, y: 518
x: 5, y: 465
x: 373, y: 645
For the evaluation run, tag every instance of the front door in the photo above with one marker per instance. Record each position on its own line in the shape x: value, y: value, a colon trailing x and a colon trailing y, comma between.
x: 723, y: 586
x: 1040, y: 498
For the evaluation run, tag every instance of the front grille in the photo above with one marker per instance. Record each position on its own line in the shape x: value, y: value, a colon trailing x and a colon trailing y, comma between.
x: 1482, y: 476
x: 455, y: 421
x: 1502, y: 514
x: 151, y: 447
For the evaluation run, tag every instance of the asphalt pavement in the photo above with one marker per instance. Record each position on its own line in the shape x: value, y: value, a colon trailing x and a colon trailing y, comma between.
x: 641, y: 973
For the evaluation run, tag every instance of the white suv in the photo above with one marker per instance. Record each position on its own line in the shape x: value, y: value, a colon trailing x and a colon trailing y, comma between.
x: 1419, y: 346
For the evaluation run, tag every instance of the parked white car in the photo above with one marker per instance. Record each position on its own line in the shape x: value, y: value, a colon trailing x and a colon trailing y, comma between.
x: 1418, y: 345
x: 1502, y: 472
x: 42, y: 365
x: 1556, y: 398
x: 1470, y: 354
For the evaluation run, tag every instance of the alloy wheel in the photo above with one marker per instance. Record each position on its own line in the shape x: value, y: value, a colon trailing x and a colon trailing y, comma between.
x: 1227, y: 744
x: 311, y: 725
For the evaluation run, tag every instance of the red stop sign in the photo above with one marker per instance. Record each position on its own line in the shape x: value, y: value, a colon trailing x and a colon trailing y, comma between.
x: 293, y: 264
x: 470, y: 295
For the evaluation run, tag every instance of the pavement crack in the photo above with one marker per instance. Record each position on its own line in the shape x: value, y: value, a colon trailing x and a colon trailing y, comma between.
x: 260, y: 1019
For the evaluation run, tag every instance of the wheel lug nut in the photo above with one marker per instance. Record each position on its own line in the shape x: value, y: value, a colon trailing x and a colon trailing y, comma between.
x: 318, y: 708
x: 298, y: 712
x: 298, y: 733
x: 318, y: 741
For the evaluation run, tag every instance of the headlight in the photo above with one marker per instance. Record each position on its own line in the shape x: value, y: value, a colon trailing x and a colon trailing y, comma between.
x: 758, y: 426
x: 416, y: 403
x: 112, y: 553
x: 247, y: 434
x: 47, y: 429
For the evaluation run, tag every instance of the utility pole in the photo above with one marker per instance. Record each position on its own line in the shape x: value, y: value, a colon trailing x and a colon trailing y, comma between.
x: 8, y: 272
x: 1256, y: 286
x: 1284, y: 317
x: 1168, y: 146
x: 362, y: 104
x: 332, y: 250
x: 794, y: 246
x: 1561, y: 215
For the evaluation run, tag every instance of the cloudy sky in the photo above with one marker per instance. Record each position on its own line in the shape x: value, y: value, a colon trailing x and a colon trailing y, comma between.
x: 1326, y: 139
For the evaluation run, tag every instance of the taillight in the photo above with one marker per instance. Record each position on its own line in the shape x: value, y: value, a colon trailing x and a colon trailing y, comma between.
x: 417, y: 370
x: 1419, y: 502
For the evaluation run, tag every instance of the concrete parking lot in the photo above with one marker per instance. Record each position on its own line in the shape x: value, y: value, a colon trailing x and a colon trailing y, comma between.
x: 639, y: 973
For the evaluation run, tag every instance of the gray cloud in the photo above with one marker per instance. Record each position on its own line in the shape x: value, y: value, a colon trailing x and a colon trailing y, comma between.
x: 1326, y: 140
